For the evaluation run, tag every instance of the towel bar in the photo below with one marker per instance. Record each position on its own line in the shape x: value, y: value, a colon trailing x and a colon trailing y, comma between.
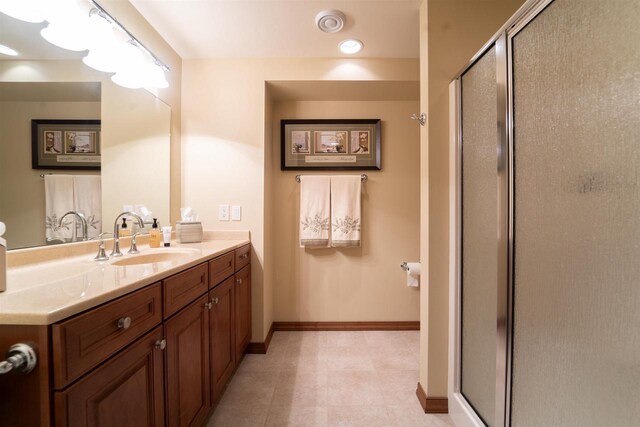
x: 363, y: 177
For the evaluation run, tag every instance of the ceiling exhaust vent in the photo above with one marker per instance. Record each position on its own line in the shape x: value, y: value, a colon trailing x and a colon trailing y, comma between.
x: 330, y: 21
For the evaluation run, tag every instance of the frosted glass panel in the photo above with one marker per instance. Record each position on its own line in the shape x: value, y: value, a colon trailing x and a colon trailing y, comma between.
x: 479, y: 231
x: 577, y: 216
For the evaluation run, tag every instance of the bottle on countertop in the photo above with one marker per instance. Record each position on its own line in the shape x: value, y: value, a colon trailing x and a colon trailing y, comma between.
x: 124, y: 230
x: 155, y: 236
x: 3, y: 260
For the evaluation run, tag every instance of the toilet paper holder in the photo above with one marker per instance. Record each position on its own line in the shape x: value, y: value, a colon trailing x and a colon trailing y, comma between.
x: 404, y: 266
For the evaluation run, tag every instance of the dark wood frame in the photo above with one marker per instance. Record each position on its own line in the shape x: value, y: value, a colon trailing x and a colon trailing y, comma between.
x: 37, y: 143
x: 375, y: 142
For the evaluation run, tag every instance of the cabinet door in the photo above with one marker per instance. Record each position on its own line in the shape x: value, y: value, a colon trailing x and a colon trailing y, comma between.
x: 222, y: 336
x: 243, y: 310
x: 126, y: 391
x: 187, y: 363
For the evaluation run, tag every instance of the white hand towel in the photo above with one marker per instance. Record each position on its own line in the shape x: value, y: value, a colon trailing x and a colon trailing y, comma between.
x: 314, y: 211
x: 87, y: 199
x: 58, y: 190
x: 346, y: 192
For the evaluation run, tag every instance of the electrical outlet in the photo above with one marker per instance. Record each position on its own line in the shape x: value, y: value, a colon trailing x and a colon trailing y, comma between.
x: 236, y: 213
x: 223, y: 212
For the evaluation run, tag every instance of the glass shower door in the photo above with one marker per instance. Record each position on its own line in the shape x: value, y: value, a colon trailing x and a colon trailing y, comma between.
x: 576, y: 141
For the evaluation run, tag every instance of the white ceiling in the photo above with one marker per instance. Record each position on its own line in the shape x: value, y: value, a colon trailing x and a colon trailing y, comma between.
x: 282, y: 28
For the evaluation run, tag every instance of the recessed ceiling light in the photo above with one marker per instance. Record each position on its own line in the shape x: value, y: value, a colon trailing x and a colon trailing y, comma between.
x: 351, y: 46
x: 330, y: 21
x: 6, y: 50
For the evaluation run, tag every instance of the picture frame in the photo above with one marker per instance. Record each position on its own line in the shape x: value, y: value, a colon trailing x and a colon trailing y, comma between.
x: 65, y: 144
x: 330, y: 144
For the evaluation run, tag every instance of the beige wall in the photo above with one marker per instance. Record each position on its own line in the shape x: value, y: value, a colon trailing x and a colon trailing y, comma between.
x: 22, y: 201
x: 452, y: 31
x: 224, y: 105
x: 356, y: 284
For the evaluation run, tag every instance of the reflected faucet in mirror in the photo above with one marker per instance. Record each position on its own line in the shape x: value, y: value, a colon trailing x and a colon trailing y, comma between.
x: 83, y: 222
x: 116, y: 231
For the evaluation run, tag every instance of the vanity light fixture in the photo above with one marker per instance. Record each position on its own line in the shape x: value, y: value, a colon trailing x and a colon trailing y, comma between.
x: 351, y: 46
x: 6, y: 50
x: 24, y: 10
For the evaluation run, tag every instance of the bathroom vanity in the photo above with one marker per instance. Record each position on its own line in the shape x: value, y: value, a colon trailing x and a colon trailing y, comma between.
x: 130, y: 341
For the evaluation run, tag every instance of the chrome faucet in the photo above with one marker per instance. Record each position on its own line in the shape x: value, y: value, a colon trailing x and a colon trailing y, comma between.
x: 83, y: 221
x: 116, y: 228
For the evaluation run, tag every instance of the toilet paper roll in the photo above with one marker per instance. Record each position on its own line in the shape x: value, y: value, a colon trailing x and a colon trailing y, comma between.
x: 413, y: 274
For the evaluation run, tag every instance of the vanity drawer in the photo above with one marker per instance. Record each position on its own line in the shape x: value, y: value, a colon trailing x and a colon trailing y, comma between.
x: 181, y: 289
x: 220, y: 268
x: 84, y: 341
x: 243, y: 256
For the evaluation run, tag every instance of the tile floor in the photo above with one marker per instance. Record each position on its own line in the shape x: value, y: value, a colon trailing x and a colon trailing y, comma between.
x: 328, y: 379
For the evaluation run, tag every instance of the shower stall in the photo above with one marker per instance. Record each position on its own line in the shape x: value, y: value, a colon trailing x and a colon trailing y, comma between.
x: 545, y: 220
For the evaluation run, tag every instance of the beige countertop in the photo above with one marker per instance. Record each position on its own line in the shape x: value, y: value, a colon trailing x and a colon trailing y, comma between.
x: 41, y: 293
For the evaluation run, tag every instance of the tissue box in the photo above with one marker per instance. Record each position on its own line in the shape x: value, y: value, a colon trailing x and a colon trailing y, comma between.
x: 189, y: 231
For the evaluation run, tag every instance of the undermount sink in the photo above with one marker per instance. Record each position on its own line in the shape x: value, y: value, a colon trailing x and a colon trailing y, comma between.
x: 152, y: 258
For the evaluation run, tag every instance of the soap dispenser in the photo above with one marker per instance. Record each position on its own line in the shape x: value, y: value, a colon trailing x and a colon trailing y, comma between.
x: 155, y: 236
x: 3, y: 260
x: 124, y: 231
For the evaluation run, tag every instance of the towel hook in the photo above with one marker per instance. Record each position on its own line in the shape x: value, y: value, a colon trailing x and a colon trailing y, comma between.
x: 422, y: 118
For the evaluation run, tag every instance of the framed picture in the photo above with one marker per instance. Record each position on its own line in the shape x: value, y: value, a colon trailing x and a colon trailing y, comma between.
x: 338, y: 144
x: 65, y: 144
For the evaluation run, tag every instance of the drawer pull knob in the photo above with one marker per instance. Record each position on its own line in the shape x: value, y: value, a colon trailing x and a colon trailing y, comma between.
x: 161, y: 344
x: 239, y: 281
x: 215, y: 300
x: 124, y: 322
x: 208, y: 306
x: 244, y: 256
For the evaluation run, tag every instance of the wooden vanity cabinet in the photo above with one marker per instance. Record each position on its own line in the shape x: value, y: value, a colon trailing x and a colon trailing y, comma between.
x: 161, y: 355
x: 222, y: 326
x: 187, y: 365
x: 128, y: 390
x: 243, y: 310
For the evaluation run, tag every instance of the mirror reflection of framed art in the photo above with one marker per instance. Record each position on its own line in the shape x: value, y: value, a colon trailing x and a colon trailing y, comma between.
x: 65, y: 144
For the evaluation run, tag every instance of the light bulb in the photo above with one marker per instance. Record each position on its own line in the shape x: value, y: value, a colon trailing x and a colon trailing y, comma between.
x: 351, y: 46
x: 155, y: 76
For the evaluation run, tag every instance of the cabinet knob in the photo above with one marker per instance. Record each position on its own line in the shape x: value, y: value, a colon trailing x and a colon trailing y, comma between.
x: 208, y: 305
x: 161, y: 344
x: 238, y: 281
x: 244, y: 256
x: 124, y: 322
x: 215, y: 300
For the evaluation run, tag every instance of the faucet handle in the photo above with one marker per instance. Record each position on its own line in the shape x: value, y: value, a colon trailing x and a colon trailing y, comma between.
x: 102, y: 256
x: 134, y: 247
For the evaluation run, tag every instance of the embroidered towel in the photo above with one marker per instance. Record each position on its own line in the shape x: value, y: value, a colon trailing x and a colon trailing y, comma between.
x: 314, y: 211
x: 345, y: 211
x: 58, y: 191
x: 87, y: 199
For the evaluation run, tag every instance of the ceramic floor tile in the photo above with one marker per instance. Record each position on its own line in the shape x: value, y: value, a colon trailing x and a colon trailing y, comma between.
x: 297, y: 416
x: 352, y: 339
x: 301, y: 389
x: 396, y: 360
x: 398, y: 387
x: 348, y: 358
x: 239, y: 416
x: 260, y: 363
x: 360, y: 416
x: 250, y: 388
x: 353, y: 388
x: 412, y: 415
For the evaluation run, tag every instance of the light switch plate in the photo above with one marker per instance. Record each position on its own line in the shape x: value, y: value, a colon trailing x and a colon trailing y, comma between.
x: 236, y: 213
x: 223, y: 212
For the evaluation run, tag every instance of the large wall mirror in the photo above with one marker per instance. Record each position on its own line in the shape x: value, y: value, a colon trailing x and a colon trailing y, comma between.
x: 45, y: 82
